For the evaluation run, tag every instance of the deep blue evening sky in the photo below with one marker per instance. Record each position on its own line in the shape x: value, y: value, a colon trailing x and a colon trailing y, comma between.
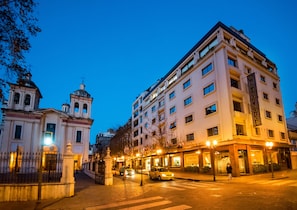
x: 120, y: 47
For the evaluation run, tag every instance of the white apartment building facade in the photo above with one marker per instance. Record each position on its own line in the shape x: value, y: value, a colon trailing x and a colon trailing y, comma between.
x: 28, y: 128
x: 223, y: 90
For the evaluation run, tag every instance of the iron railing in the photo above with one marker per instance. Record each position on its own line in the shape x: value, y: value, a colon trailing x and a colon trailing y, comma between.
x: 18, y: 167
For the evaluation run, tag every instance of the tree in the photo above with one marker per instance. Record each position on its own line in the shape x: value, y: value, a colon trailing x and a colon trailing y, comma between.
x: 17, y: 25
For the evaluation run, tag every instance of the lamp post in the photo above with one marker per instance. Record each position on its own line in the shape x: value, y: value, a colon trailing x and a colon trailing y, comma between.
x: 269, y: 145
x: 47, y: 140
x: 212, y: 146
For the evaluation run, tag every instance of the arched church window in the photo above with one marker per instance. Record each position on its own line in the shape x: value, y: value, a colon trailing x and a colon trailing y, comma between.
x: 16, y: 98
x: 85, y: 108
x: 76, y: 107
x: 27, y: 99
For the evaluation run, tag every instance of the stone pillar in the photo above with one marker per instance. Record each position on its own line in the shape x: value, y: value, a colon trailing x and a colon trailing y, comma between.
x: 108, y: 168
x: 68, y: 171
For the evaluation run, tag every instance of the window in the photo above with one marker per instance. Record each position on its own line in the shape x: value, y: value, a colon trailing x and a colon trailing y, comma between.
x: 190, y: 137
x: 153, y: 133
x: 172, y: 95
x: 213, y: 131
x: 172, y: 125
x: 85, y: 108
x: 210, y: 109
x: 280, y: 118
x: 76, y: 107
x: 135, y: 123
x: 188, y: 118
x: 154, y: 121
x: 161, y: 103
x: 257, y: 131
x: 135, y: 133
x: 210, y: 88
x: 239, y: 129
x: 268, y: 114
x: 153, y: 108
x: 78, y: 136
x: 135, y: 114
x: 146, y: 125
x: 16, y: 98
x: 274, y: 85
x: 27, y: 99
x: 282, y: 135
x: 270, y: 133
x: 187, y: 84
x: 145, y: 114
x: 237, y: 106
x: 208, y: 47
x: 161, y: 116
x: 51, y: 127
x: 135, y: 143
x: 277, y: 101
x: 173, y: 141
x: 206, y: 69
x: 135, y: 105
x: 172, y: 110
x: 232, y: 62
x: 265, y: 96
x: 234, y: 83
x: 172, y: 79
x: 262, y: 78
x: 188, y: 101
x: 187, y: 66
x: 17, y: 132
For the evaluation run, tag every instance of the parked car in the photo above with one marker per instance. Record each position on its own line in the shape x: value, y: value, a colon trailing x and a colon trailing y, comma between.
x: 161, y: 173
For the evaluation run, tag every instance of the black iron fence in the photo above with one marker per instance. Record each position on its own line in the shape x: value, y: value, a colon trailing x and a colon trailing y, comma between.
x: 18, y: 167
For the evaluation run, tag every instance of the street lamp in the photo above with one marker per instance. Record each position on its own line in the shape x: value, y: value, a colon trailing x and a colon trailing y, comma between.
x: 47, y: 140
x: 212, y: 146
x: 269, y: 145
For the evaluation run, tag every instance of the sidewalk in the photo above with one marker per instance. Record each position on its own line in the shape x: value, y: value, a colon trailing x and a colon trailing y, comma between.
x: 87, y: 192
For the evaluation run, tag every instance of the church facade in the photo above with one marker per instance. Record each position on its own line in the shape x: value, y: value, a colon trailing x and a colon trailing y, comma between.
x: 28, y: 128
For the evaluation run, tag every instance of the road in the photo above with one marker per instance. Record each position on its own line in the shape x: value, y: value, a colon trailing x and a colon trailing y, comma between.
x: 186, y: 194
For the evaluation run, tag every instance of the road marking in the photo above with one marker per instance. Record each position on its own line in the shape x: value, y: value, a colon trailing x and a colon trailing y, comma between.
x: 148, y: 205
x: 180, y: 207
x: 283, y: 182
x: 173, y: 188
x: 122, y: 203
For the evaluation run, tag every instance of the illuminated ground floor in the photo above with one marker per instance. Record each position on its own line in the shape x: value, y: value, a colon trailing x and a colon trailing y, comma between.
x: 244, y: 159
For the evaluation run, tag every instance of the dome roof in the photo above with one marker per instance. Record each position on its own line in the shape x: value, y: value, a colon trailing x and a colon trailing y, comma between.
x: 82, y: 92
